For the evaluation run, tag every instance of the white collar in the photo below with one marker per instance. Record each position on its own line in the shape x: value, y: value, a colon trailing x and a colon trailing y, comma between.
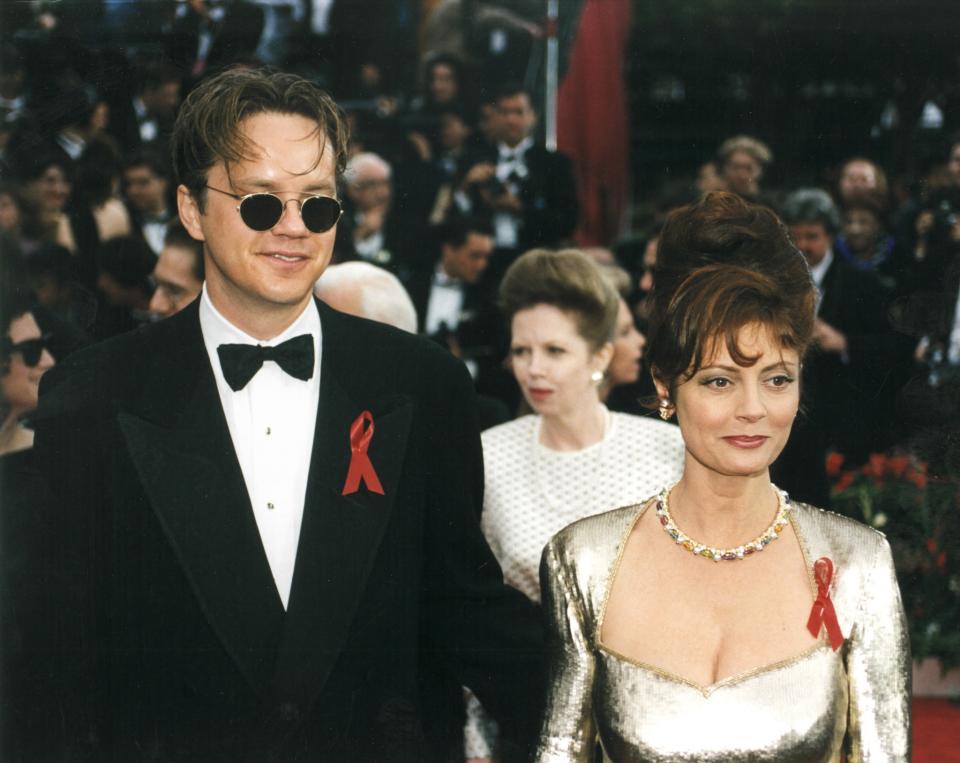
x: 819, y: 270
x: 517, y: 151
x: 218, y: 330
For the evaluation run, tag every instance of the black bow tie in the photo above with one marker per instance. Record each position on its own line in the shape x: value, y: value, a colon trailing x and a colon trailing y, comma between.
x: 240, y: 362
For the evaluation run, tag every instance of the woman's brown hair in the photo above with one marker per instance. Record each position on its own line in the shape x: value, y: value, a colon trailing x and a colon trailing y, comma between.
x: 724, y: 263
x: 569, y: 281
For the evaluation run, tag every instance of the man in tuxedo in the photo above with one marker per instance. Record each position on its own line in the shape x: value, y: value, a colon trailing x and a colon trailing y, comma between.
x: 261, y: 538
x: 530, y: 192
x: 146, y: 192
x: 848, y: 386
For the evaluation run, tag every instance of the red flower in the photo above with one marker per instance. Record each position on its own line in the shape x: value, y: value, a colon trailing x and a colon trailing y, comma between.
x: 846, y: 479
x: 877, y: 466
x: 942, y: 561
x: 834, y: 462
x: 898, y: 465
x: 917, y: 478
x: 932, y: 546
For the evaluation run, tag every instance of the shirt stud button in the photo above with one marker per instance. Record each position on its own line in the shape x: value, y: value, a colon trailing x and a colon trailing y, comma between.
x: 269, y: 505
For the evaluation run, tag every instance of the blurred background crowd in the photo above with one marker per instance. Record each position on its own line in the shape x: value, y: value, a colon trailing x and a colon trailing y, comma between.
x: 463, y: 157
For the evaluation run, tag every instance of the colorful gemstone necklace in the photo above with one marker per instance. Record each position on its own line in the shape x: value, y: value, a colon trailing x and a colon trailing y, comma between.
x: 723, y: 554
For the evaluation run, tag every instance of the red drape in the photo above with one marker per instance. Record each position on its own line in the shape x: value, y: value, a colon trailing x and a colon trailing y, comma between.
x: 592, y: 118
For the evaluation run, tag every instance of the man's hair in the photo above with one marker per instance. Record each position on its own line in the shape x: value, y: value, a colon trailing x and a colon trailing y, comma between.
x: 511, y: 89
x: 811, y: 206
x: 382, y: 296
x: 149, y: 159
x: 722, y: 264
x: 759, y: 150
x: 128, y: 260
x: 363, y: 161
x: 567, y: 280
x: 456, y: 228
x: 177, y: 236
x: 209, y: 125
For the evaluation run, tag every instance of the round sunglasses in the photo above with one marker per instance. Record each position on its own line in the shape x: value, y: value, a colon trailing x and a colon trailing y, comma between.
x: 261, y: 211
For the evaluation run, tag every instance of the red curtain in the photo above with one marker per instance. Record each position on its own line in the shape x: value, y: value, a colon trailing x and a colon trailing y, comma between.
x: 592, y: 119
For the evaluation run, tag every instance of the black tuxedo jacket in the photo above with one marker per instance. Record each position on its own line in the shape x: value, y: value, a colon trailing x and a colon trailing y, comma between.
x: 165, y: 638
x: 549, y: 196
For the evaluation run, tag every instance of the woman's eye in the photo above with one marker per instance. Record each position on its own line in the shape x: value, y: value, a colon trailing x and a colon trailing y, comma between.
x: 717, y: 382
x: 556, y: 350
x: 516, y: 352
x: 781, y: 381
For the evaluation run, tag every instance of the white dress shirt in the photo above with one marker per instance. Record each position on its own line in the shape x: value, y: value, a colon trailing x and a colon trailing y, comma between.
x: 445, y: 302
x: 271, y: 422
x: 511, y: 166
x: 819, y: 272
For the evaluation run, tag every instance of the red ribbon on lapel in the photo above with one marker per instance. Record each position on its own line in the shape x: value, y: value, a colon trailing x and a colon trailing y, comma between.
x: 361, y: 432
x: 823, y: 613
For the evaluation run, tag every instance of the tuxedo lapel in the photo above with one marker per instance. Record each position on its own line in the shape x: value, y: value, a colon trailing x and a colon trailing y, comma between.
x: 340, y: 535
x: 181, y: 447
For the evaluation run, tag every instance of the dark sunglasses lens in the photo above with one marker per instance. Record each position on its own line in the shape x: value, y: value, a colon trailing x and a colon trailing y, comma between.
x: 261, y: 211
x: 30, y: 351
x: 320, y: 213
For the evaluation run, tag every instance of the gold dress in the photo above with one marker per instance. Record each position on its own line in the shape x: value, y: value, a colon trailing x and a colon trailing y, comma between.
x: 809, y: 709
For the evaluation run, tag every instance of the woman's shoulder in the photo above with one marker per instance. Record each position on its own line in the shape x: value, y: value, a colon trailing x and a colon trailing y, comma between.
x: 593, y: 543
x: 827, y: 533
x: 647, y: 428
x: 511, y: 432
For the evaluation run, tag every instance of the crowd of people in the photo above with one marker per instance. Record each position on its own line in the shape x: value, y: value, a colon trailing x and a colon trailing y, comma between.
x: 454, y: 222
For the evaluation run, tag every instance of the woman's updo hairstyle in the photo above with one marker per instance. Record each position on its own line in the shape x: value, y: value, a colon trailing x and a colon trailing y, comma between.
x: 723, y: 263
x: 567, y: 280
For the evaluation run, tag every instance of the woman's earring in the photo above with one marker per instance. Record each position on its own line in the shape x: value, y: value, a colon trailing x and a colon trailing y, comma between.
x: 596, y: 377
x: 665, y: 409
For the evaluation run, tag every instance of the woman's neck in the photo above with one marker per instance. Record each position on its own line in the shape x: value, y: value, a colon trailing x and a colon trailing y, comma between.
x: 14, y: 436
x: 577, y: 430
x: 721, y: 510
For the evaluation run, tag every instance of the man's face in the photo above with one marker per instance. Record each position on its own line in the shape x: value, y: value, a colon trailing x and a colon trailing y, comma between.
x: 145, y: 190
x: 468, y: 261
x: 953, y: 165
x: 515, y: 118
x: 443, y: 83
x: 162, y: 100
x: 370, y: 188
x: 858, y: 177
x: 176, y: 280
x: 261, y: 277
x: 813, y: 240
x: 742, y: 173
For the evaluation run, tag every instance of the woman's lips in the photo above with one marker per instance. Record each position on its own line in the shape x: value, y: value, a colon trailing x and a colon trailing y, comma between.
x: 744, y: 441
x: 539, y: 394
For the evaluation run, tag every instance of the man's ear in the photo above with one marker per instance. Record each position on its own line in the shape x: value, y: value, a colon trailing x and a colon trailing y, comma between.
x: 189, y: 212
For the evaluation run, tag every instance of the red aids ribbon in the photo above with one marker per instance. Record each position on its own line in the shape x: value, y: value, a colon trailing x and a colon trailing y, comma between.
x: 361, y: 432
x: 823, y: 613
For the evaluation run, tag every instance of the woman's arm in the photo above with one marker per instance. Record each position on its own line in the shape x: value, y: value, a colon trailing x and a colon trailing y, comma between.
x: 568, y: 732
x: 878, y: 670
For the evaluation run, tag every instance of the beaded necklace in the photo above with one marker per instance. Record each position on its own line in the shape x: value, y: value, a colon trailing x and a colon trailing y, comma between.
x: 723, y: 554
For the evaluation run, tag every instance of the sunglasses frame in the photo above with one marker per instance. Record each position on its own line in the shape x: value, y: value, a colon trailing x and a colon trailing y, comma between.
x: 10, y: 347
x: 283, y: 207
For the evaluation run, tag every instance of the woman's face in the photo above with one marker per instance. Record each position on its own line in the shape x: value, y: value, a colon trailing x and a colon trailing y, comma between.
x: 553, y: 364
x: 51, y: 189
x: 628, y: 344
x: 21, y: 382
x: 9, y: 214
x: 443, y: 83
x: 861, y: 229
x: 735, y: 420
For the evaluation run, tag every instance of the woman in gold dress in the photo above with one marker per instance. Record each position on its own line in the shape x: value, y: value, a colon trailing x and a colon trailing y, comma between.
x: 720, y: 621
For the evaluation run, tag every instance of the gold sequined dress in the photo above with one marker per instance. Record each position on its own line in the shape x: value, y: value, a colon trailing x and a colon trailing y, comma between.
x: 809, y: 709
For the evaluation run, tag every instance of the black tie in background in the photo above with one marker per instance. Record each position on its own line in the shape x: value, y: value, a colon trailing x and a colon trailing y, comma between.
x: 240, y: 362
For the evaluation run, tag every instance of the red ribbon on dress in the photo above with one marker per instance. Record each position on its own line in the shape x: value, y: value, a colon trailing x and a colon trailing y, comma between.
x: 823, y: 613
x: 361, y: 432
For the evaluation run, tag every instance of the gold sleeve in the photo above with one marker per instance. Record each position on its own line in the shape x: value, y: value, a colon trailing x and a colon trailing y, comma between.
x: 878, y: 669
x: 568, y: 732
